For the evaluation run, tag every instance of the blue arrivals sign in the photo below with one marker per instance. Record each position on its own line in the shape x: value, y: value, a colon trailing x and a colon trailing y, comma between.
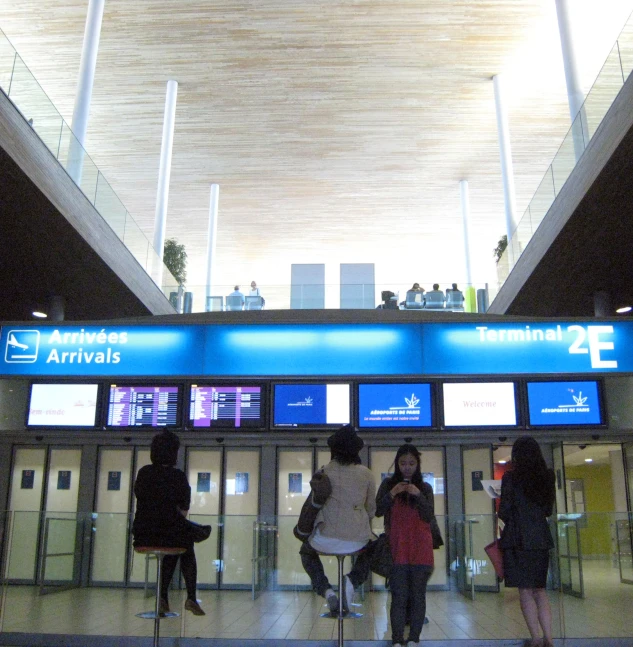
x: 435, y: 349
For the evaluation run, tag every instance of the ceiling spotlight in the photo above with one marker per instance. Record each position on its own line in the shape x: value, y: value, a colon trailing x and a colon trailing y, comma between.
x: 39, y: 315
x: 588, y: 460
x: 624, y: 309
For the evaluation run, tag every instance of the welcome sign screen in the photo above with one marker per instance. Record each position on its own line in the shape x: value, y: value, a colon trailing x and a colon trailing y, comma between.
x: 394, y: 405
x: 564, y: 403
x: 479, y: 404
x: 311, y: 405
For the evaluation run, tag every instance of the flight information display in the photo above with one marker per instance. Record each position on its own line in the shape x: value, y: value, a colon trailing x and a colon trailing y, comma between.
x: 143, y: 406
x: 226, y: 406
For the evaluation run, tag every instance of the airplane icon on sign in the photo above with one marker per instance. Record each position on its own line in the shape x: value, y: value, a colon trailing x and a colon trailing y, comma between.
x: 22, y: 346
x: 14, y: 342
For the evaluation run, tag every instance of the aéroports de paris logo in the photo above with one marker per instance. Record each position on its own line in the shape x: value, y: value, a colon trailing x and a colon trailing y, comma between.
x: 22, y: 346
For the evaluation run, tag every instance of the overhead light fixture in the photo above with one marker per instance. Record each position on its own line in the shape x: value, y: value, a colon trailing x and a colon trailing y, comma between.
x: 502, y: 462
x: 624, y: 309
x: 588, y: 460
x: 39, y: 315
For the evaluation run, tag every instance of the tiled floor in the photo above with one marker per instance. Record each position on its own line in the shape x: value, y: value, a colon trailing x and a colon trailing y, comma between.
x: 606, y: 611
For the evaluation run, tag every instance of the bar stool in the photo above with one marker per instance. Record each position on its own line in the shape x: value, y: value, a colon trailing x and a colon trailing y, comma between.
x: 342, y: 615
x: 159, y: 552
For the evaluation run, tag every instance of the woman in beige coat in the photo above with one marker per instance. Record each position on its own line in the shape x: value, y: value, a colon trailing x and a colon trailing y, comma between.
x: 343, y: 523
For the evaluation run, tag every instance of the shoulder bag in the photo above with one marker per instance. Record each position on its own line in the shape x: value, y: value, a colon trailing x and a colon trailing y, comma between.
x: 380, y: 559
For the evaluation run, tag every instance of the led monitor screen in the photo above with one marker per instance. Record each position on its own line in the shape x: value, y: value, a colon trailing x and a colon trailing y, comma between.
x: 63, y: 405
x: 564, y: 403
x: 394, y: 405
x: 479, y: 404
x: 143, y: 406
x: 225, y: 406
x: 311, y: 405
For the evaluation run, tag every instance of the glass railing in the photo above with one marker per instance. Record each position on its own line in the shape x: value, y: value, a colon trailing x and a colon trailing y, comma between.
x: 77, y: 574
x: 606, y: 87
x: 471, y: 298
x: 27, y: 95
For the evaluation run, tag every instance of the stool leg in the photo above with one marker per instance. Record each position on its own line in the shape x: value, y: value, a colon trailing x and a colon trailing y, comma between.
x: 159, y: 575
x: 341, y: 598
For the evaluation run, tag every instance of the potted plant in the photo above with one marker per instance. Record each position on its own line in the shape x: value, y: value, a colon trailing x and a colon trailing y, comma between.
x: 175, y: 259
x: 500, y: 248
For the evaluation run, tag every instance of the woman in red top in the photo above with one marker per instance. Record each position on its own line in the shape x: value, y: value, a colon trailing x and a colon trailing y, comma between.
x: 407, y: 505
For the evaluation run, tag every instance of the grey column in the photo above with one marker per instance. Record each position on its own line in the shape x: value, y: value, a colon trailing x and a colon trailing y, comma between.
x: 575, y: 95
x: 602, y: 304
x: 463, y: 194
x: 83, y: 97
x: 56, y: 308
x: 507, y: 172
x: 164, y: 171
x: 211, y: 239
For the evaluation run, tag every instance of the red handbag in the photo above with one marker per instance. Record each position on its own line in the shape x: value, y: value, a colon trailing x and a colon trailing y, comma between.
x: 495, y: 552
x: 495, y: 555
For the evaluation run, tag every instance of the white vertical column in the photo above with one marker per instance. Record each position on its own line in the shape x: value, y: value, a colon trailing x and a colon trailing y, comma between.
x: 211, y: 239
x: 575, y: 95
x: 164, y: 171
x: 83, y: 97
x: 465, y: 202
x: 505, y: 152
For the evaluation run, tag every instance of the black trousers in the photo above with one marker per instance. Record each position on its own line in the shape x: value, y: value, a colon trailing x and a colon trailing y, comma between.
x: 311, y: 561
x: 408, y: 591
x: 189, y: 568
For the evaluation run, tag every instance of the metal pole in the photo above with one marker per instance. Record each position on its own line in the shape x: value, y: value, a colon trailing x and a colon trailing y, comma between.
x: 211, y: 238
x: 341, y: 597
x: 575, y: 95
x: 507, y: 172
x: 87, y: 67
x: 159, y: 574
x: 164, y: 171
x: 465, y: 204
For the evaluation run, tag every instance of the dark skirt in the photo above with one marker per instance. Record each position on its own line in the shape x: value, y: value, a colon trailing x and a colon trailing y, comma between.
x: 525, y: 569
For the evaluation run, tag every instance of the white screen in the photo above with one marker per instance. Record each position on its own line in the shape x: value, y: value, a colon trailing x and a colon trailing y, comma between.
x: 479, y: 404
x: 63, y: 405
x: 337, y: 404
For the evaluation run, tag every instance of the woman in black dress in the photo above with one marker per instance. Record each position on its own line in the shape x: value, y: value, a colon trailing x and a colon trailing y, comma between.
x: 527, y: 499
x: 163, y: 496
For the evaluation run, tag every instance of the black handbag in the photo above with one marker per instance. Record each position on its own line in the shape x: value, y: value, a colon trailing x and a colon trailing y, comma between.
x: 198, y: 531
x: 380, y: 559
x: 436, y: 535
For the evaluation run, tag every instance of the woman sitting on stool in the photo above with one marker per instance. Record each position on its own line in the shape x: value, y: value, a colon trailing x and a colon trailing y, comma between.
x: 342, y: 525
x: 163, y: 496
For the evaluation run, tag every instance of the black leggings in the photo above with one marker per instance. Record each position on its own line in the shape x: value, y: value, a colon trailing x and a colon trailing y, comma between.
x: 189, y: 569
x: 408, y: 594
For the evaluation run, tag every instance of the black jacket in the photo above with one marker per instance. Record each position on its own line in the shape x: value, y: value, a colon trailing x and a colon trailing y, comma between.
x: 161, y: 492
x: 525, y: 521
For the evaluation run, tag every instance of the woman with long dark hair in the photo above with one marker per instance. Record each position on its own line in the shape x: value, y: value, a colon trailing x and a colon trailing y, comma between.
x: 407, y: 504
x: 527, y: 499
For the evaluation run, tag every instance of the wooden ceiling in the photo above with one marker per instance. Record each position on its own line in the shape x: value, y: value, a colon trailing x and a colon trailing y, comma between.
x: 337, y: 131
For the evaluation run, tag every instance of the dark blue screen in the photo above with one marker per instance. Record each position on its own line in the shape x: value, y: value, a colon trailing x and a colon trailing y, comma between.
x: 300, y: 404
x: 394, y: 405
x: 564, y: 403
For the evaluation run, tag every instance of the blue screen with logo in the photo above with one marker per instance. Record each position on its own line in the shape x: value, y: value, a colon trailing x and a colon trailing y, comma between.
x: 394, y: 405
x: 564, y: 403
x: 311, y: 405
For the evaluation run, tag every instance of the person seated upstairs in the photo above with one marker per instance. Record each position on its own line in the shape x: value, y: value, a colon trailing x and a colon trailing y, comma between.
x: 236, y: 293
x: 454, y: 299
x: 411, y: 297
x: 435, y: 298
